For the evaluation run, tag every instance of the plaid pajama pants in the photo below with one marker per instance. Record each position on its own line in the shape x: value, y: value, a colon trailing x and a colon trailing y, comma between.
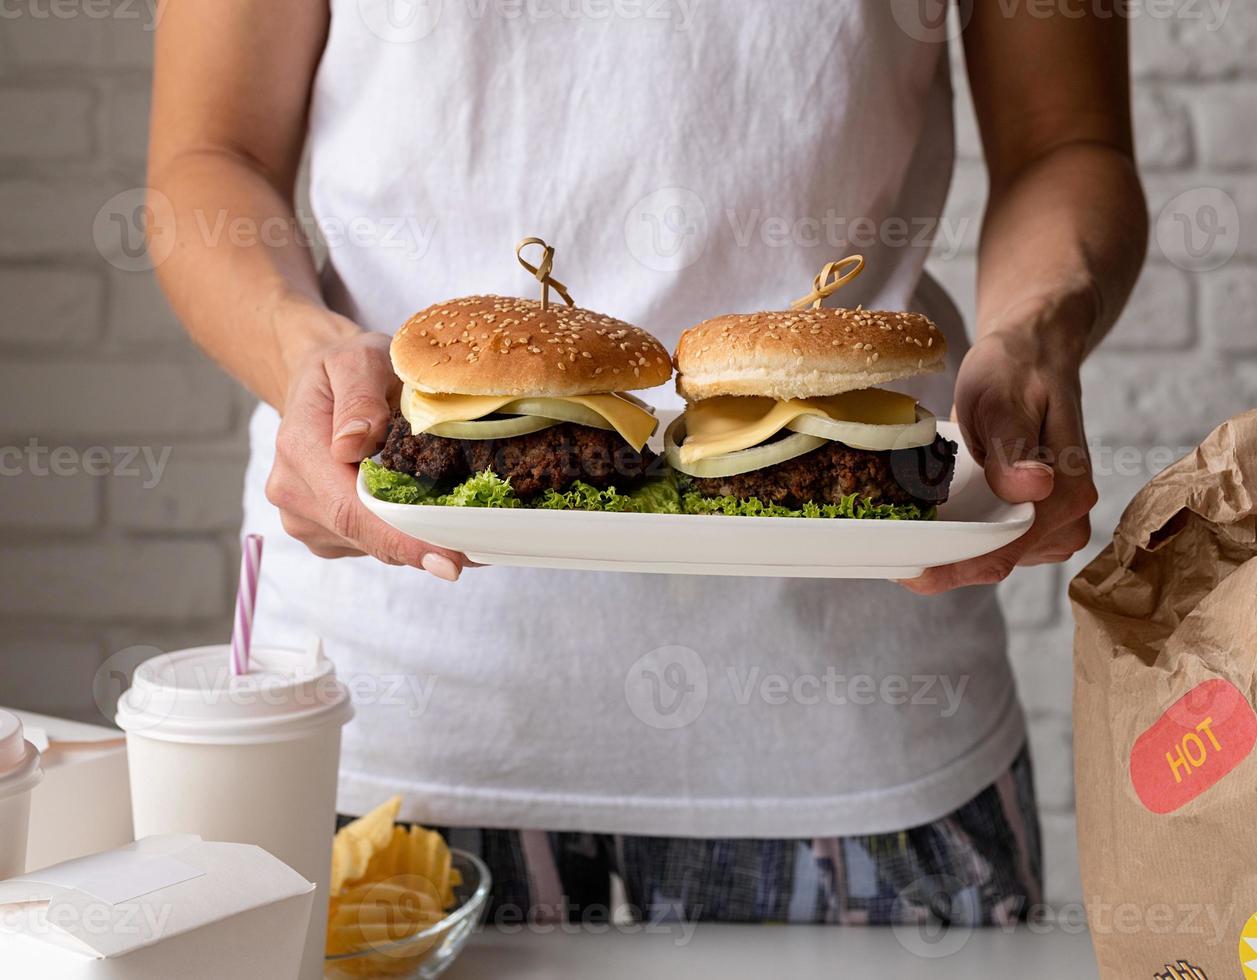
x: 980, y: 865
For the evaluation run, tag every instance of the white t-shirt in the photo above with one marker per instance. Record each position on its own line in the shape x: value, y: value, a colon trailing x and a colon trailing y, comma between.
x: 686, y: 160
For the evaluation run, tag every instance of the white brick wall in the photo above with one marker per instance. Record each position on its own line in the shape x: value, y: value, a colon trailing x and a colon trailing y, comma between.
x: 92, y: 357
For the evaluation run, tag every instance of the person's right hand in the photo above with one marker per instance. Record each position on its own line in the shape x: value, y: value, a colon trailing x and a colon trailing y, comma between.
x: 336, y: 413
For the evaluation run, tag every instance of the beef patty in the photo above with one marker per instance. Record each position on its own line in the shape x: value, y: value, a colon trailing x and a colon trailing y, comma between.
x: 921, y: 475
x: 551, y: 459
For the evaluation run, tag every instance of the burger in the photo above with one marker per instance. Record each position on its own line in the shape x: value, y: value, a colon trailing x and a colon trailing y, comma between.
x: 784, y: 417
x: 515, y: 402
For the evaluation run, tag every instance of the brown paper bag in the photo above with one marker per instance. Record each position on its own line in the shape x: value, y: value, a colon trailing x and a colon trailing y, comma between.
x: 1165, y: 654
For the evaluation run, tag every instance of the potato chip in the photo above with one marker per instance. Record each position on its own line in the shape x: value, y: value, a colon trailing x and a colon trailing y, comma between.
x: 374, y: 914
x: 414, y: 889
x: 430, y: 858
x: 389, y: 883
x: 387, y: 861
x: 370, y: 935
x: 358, y: 842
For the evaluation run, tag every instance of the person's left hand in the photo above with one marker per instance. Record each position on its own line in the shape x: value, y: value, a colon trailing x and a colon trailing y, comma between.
x: 1019, y: 406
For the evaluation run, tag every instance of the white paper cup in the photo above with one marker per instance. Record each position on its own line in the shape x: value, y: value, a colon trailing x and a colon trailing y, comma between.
x: 19, y: 774
x: 252, y: 759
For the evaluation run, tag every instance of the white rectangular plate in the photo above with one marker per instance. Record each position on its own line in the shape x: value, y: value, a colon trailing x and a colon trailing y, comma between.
x: 973, y: 522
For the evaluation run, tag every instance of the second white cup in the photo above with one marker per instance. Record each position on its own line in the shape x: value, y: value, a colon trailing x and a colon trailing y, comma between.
x: 252, y: 759
x: 19, y: 774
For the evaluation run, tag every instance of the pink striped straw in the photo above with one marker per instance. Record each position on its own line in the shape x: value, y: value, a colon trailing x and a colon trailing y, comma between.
x: 246, y: 599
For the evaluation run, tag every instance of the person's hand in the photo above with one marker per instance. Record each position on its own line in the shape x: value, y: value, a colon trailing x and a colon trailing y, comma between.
x: 336, y: 413
x: 1019, y: 408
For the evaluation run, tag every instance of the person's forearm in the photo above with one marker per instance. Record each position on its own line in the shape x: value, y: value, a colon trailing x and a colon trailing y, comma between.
x: 241, y: 277
x: 1062, y: 244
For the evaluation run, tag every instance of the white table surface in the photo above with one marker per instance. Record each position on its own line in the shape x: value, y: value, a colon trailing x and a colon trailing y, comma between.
x: 758, y: 952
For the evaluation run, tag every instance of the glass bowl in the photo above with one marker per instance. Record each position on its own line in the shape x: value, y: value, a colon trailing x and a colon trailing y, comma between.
x: 426, y: 954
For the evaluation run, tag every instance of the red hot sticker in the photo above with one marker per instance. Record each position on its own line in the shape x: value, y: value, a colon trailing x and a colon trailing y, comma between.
x: 1202, y: 737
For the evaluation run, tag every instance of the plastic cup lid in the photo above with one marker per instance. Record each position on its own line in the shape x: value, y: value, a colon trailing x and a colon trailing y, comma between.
x: 191, y: 695
x: 13, y: 753
x: 19, y: 760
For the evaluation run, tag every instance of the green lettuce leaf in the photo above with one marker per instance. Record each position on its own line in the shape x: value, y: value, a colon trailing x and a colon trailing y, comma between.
x: 657, y: 496
x: 582, y: 496
x: 660, y: 495
x: 853, y: 506
x: 485, y: 489
x: 396, y: 488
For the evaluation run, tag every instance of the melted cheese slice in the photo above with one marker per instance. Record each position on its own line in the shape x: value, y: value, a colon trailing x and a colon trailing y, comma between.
x: 423, y: 410
x: 729, y: 423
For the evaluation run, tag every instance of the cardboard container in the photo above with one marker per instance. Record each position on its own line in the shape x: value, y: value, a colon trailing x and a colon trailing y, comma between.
x: 84, y: 765
x: 162, y: 908
x: 1165, y: 693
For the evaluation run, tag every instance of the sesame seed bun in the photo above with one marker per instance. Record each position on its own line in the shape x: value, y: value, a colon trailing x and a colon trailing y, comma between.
x: 805, y: 353
x: 496, y: 345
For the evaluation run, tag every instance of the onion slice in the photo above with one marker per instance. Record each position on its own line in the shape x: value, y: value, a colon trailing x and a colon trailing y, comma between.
x: 743, y: 461
x: 519, y: 425
x: 628, y: 396
x: 864, y: 435
x: 557, y: 409
x: 529, y: 415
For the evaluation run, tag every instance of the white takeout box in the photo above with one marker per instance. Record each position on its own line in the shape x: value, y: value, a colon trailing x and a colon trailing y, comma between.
x: 82, y: 806
x: 162, y: 908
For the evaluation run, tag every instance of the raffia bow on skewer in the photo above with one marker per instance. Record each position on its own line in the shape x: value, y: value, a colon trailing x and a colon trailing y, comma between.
x: 831, y: 279
x: 541, y: 271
